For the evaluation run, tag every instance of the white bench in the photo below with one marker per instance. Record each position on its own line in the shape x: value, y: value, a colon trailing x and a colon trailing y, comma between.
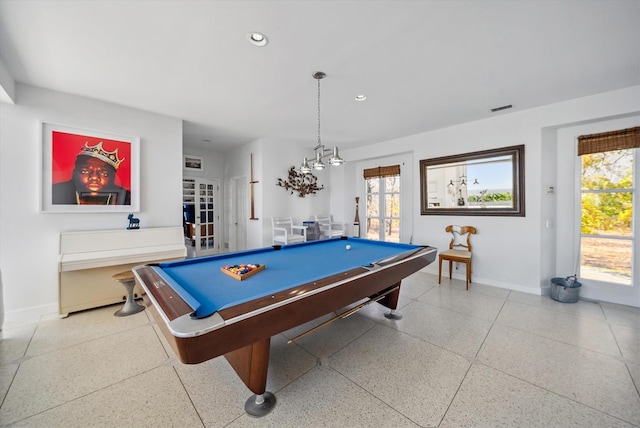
x: 88, y: 260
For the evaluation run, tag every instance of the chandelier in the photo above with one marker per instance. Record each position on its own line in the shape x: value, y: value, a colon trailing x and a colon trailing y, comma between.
x: 320, y: 152
x: 462, y: 181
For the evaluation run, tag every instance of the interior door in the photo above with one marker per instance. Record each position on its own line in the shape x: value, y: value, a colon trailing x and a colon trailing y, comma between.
x: 238, y: 214
x: 206, y: 242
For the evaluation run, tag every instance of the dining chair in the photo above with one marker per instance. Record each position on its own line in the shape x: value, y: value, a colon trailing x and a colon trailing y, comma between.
x: 459, y: 250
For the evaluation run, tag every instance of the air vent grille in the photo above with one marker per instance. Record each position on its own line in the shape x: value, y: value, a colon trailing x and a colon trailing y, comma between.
x: 493, y: 110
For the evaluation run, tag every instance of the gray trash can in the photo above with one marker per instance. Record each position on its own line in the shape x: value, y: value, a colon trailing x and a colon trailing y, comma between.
x: 565, y: 290
x: 313, y: 230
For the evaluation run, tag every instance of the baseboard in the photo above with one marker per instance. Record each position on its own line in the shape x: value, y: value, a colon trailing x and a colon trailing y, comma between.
x: 28, y: 316
x: 478, y: 280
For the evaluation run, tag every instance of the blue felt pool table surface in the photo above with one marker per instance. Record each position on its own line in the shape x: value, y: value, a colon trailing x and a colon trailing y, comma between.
x: 202, y: 284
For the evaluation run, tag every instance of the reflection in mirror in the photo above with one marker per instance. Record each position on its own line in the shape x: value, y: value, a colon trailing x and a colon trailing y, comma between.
x: 475, y: 183
x: 490, y: 182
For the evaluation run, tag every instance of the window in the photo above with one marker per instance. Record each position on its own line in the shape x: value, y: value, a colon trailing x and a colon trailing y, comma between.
x: 608, y: 196
x: 383, y: 203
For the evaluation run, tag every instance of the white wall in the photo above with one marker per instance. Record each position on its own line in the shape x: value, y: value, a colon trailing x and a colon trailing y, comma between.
x: 214, y: 161
x: 509, y: 252
x: 7, y: 85
x: 238, y: 164
x: 548, y: 208
x: 30, y: 239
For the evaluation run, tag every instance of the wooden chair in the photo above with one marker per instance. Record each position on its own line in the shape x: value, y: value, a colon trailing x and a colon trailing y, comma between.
x: 459, y: 250
x: 285, y: 232
x: 329, y: 228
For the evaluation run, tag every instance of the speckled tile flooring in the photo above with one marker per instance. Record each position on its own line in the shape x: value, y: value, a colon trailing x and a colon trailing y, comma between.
x: 486, y: 357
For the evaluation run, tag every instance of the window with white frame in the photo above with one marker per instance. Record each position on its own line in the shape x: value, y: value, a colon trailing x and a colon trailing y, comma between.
x: 383, y: 203
x: 608, y: 197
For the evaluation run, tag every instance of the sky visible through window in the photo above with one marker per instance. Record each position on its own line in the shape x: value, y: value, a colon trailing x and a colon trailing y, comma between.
x: 495, y: 176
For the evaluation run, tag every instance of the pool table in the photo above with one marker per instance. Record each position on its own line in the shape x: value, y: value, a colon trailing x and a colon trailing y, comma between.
x: 204, y: 312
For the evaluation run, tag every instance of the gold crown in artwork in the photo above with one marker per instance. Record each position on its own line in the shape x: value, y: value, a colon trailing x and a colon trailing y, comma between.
x: 98, y: 152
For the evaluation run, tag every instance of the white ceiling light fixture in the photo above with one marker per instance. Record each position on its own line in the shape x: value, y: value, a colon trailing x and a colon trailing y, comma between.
x: 361, y: 97
x: 320, y: 152
x: 258, y: 39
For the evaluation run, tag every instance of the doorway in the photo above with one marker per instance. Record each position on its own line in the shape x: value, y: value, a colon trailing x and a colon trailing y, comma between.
x: 384, y: 209
x: 206, y: 242
x: 382, y: 190
x: 200, y: 199
x: 237, y: 203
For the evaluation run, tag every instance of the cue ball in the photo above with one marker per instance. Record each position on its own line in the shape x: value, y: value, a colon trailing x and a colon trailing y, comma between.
x: 348, y: 247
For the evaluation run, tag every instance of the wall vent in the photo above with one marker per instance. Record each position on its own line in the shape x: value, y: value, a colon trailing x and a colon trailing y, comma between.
x: 493, y: 110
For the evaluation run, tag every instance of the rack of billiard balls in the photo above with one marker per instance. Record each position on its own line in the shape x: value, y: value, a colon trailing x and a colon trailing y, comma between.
x: 242, y: 271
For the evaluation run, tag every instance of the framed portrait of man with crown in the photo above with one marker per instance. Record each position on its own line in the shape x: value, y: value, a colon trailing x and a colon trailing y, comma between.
x: 88, y: 171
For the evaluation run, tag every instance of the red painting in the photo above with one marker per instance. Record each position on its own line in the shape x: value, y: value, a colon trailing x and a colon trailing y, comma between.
x: 65, y: 148
x: 91, y: 172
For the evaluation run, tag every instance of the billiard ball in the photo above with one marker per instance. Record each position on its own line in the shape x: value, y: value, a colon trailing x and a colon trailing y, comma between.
x: 348, y: 247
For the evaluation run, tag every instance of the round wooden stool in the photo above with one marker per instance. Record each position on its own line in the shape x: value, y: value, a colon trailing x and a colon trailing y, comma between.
x: 130, y: 306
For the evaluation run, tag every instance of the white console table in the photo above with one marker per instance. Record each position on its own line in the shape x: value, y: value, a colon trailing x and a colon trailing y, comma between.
x: 88, y: 260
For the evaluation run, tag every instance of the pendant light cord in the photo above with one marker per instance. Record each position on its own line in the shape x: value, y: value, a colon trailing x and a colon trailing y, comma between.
x: 318, y: 112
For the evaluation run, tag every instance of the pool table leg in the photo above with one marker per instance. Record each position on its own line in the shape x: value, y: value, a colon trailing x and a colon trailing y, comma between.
x: 251, y: 364
x: 259, y: 405
x: 391, y: 302
x: 393, y: 315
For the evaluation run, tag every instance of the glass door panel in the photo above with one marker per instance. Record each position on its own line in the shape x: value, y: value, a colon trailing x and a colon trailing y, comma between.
x: 206, y: 242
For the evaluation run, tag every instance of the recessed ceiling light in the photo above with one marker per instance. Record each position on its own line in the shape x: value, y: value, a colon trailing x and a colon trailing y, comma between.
x: 361, y: 97
x: 258, y: 39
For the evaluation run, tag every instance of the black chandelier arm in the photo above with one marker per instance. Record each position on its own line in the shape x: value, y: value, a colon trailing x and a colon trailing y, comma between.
x: 462, y: 181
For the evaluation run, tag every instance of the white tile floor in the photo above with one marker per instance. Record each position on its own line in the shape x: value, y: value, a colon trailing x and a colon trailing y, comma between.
x: 486, y: 357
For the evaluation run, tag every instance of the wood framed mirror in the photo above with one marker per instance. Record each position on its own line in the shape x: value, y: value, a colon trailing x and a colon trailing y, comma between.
x: 487, y: 183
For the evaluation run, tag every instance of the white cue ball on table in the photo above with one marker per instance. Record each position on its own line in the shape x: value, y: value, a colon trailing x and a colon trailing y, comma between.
x: 348, y: 247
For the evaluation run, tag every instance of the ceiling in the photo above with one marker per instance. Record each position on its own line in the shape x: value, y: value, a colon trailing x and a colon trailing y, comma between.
x: 423, y: 65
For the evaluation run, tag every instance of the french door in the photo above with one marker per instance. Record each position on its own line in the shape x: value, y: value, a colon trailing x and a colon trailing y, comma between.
x: 609, y: 244
x: 206, y: 216
x: 383, y: 203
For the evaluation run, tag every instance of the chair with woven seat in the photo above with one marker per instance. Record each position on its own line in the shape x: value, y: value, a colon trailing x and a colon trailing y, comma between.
x: 285, y: 232
x: 459, y: 250
x: 328, y: 227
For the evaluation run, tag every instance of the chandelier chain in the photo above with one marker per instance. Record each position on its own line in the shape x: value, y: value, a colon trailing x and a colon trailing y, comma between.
x: 318, y: 112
